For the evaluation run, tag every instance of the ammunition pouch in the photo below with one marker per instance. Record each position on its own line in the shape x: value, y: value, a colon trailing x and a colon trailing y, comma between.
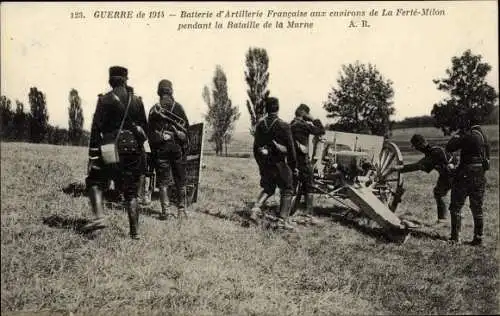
x: 112, y: 147
x: 127, y: 143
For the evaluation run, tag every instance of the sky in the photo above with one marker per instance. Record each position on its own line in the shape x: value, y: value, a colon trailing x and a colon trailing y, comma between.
x: 41, y: 46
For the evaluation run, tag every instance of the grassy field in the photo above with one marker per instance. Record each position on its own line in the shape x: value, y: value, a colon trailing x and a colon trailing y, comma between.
x: 215, y: 264
x: 242, y: 141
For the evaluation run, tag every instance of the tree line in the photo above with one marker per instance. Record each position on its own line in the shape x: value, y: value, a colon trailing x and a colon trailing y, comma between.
x: 20, y: 125
x: 362, y: 101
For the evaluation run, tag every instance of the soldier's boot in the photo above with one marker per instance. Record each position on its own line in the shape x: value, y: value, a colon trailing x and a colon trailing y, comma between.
x: 285, y: 206
x: 144, y: 198
x: 256, y: 208
x: 164, y: 202
x: 309, y: 204
x: 441, y: 210
x: 396, y: 199
x: 181, y: 203
x: 147, y: 191
x: 478, y: 231
x: 133, y: 218
x: 97, y: 204
x: 456, y: 222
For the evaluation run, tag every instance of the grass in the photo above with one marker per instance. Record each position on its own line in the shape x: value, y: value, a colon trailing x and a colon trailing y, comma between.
x: 215, y: 264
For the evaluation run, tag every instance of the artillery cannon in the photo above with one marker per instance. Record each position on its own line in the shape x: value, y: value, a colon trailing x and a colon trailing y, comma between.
x: 362, y: 169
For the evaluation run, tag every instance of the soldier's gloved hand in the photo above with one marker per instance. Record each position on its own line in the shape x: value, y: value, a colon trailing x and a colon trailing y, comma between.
x: 308, y: 117
x: 180, y: 134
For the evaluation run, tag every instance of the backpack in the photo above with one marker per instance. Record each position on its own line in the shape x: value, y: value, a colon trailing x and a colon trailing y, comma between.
x: 484, y: 158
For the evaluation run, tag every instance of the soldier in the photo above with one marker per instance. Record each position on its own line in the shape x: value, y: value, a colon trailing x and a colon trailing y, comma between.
x: 168, y: 131
x: 302, y: 126
x: 274, y: 152
x: 116, y: 148
x: 436, y: 158
x: 470, y: 180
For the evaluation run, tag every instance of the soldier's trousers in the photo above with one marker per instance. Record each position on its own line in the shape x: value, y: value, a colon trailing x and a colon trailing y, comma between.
x: 126, y: 174
x: 443, y: 186
x: 470, y: 182
x: 273, y: 175
x: 305, y: 174
x: 171, y: 161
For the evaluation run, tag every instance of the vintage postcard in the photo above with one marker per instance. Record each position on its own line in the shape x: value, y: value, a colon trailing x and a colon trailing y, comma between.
x: 249, y: 158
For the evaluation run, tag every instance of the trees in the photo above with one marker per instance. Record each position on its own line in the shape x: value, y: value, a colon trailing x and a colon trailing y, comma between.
x: 21, y: 122
x: 414, y: 121
x: 257, y: 77
x: 39, y: 115
x: 75, y: 121
x: 6, y: 115
x: 471, y: 98
x: 221, y: 115
x: 362, y: 103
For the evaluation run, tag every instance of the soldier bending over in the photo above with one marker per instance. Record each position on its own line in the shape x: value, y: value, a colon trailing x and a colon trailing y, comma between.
x: 436, y: 158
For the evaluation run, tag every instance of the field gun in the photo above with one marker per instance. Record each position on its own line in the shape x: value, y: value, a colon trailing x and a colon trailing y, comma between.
x: 363, y: 169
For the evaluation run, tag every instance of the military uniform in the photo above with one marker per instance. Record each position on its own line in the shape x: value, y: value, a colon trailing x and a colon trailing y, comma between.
x: 301, y: 129
x: 108, y: 118
x: 470, y: 180
x: 436, y: 158
x: 168, y: 134
x: 275, y: 154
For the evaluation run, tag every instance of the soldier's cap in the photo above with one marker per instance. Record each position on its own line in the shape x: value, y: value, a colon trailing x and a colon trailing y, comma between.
x: 118, y: 71
x: 302, y: 107
x: 272, y: 105
x: 418, y: 140
x: 165, y: 87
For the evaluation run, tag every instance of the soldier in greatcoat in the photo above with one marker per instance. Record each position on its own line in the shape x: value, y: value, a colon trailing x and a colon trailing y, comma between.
x: 169, y: 138
x: 470, y: 179
x: 304, y: 125
x: 274, y: 152
x: 116, y: 148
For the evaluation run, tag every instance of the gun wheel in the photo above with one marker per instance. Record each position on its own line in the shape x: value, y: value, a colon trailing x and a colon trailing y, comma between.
x: 389, y: 185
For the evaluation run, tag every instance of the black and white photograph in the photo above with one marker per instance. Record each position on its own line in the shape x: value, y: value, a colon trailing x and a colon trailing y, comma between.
x: 249, y: 158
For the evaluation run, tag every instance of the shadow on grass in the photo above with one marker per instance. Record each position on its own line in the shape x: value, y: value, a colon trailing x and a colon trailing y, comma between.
x: 71, y: 223
x: 75, y: 189
x: 243, y: 214
x: 363, y: 224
